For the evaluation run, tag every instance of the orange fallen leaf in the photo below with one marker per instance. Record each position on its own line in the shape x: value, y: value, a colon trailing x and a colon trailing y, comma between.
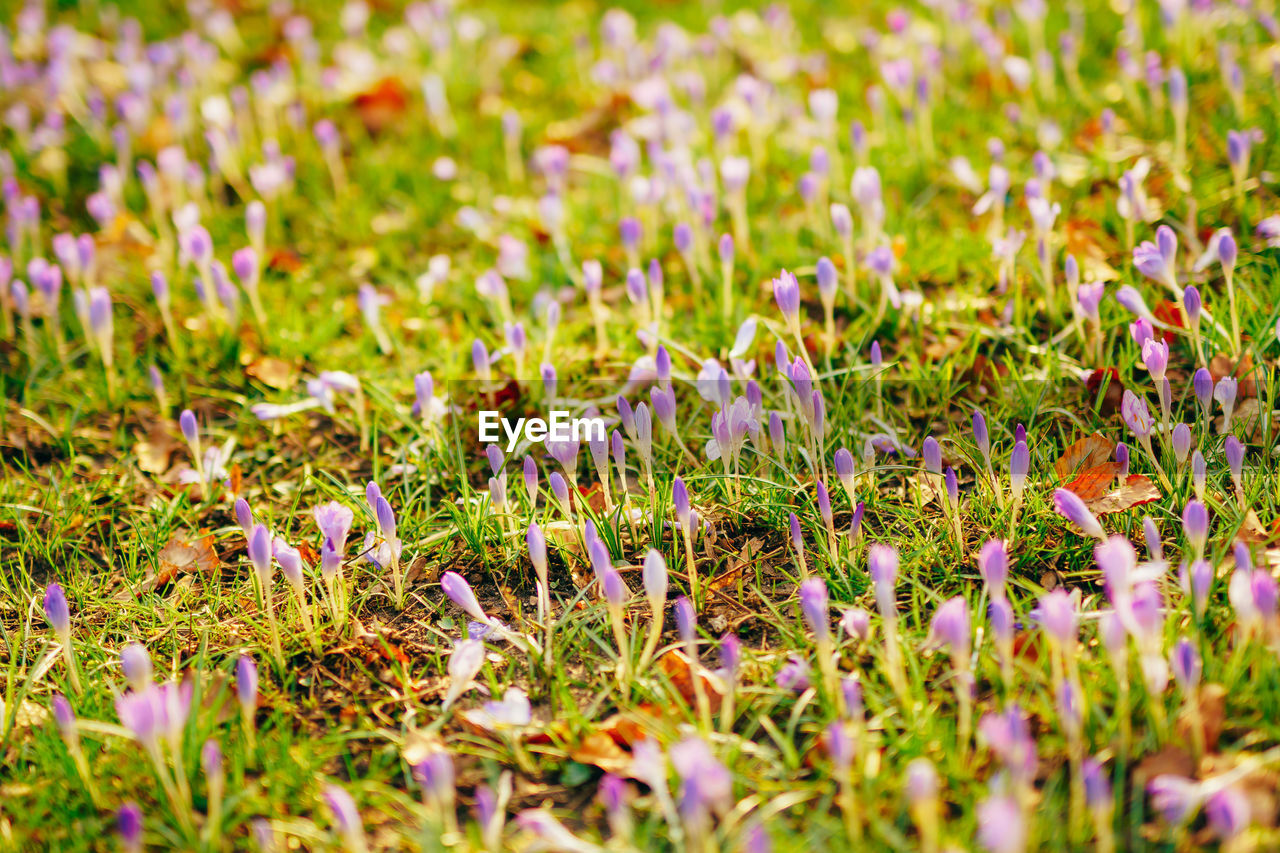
x: 1089, y: 452
x: 272, y: 372
x: 185, y: 552
x: 1136, y: 490
x: 676, y: 667
x: 285, y: 261
x: 600, y: 750
x: 1093, y: 483
x: 382, y: 105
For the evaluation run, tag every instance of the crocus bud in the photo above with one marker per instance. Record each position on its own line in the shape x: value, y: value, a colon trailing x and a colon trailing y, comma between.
x: 1234, y: 452
x: 66, y: 720
x: 129, y: 827
x: 537, y: 544
x: 530, y: 473
x: 346, y: 818
x: 1227, y: 251
x: 57, y: 612
x: 1000, y: 615
x: 260, y: 554
x: 680, y: 498
x: 1056, y: 614
x: 654, y: 576
x: 797, y: 535
x: 882, y: 561
x: 559, y: 487
x: 459, y: 591
x: 932, y: 454
x: 993, y: 565
x: 1200, y: 578
x: 855, y: 521
x: 950, y: 627
x: 1019, y: 465
x: 1181, y: 443
x: 725, y: 249
x: 136, y: 665
x: 1185, y: 664
x: 190, y: 429
x: 1195, y: 525
x: 1152, y: 535
x: 613, y: 587
x: 247, y: 686
x: 386, y: 517
x: 813, y: 605
x: 1192, y: 302
x: 980, y: 435
x: 1202, y: 384
x: 828, y: 280
x: 211, y: 759
x: 686, y: 620
x: 839, y: 748
x: 786, y: 293
x: 1073, y: 509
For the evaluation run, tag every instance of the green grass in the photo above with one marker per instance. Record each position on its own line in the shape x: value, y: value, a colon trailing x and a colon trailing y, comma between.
x: 83, y: 504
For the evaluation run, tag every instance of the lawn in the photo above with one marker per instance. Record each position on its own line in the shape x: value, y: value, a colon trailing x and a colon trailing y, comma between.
x: 674, y: 427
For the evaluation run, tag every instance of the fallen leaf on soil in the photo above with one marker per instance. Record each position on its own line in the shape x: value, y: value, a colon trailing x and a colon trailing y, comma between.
x: 155, y: 451
x: 184, y: 553
x: 1093, y: 483
x: 272, y: 372
x: 1221, y: 365
x: 1251, y: 529
x: 600, y: 750
x: 285, y: 260
x: 675, y: 666
x: 738, y: 564
x: 1173, y: 760
x: 1136, y: 490
x: 382, y: 105
x: 1089, y: 452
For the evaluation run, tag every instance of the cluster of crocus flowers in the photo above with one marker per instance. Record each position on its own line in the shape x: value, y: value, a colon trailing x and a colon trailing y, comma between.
x: 694, y: 187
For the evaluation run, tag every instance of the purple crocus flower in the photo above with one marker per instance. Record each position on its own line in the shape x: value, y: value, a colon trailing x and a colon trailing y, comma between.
x: 1097, y: 788
x: 1057, y: 615
x: 706, y: 786
x: 1185, y: 664
x: 813, y: 604
x: 1019, y: 466
x: 129, y: 827
x: 794, y: 675
x: 950, y: 628
x: 1195, y: 525
x: 993, y: 565
x: 1001, y: 825
x: 57, y: 612
x: 1073, y: 509
x: 1228, y: 812
x: 459, y: 591
x: 883, y: 565
x: 346, y: 818
x: 135, y: 663
x: 1175, y: 797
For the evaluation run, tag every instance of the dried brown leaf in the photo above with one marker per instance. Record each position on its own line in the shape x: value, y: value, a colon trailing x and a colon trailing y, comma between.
x: 1089, y: 452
